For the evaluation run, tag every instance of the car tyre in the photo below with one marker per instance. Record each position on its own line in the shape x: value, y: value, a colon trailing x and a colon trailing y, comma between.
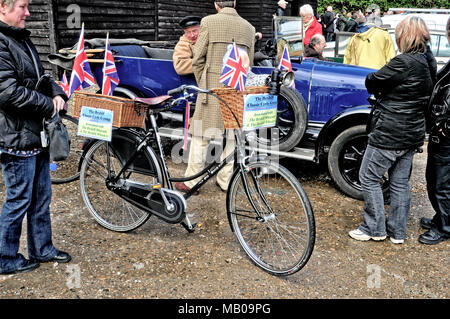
x: 344, y: 161
x: 292, y: 119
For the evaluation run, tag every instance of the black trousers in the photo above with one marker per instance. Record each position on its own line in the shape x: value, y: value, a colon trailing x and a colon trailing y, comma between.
x: 438, y: 183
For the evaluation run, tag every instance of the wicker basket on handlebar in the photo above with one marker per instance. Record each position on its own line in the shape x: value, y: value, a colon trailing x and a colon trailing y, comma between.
x: 126, y: 112
x: 235, y: 100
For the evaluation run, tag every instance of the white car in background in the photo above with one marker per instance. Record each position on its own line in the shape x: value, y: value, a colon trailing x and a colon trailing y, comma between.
x: 436, y: 19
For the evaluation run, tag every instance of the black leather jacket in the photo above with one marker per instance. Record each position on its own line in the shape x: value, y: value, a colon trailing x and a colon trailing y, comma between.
x: 403, y: 88
x: 439, y: 105
x: 351, y: 26
x: 22, y: 108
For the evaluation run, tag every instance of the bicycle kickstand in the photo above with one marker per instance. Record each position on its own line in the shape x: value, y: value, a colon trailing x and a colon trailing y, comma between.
x: 188, y: 226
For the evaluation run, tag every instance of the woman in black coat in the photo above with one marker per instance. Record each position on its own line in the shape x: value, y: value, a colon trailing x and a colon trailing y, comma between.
x: 25, y: 162
x: 438, y: 163
x: 397, y: 129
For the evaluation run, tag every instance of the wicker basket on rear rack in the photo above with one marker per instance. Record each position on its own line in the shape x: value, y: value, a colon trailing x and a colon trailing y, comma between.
x: 235, y: 100
x: 127, y: 113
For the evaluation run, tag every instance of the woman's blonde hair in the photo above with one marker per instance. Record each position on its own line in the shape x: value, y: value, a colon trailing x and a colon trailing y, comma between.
x: 412, y: 35
x: 9, y: 3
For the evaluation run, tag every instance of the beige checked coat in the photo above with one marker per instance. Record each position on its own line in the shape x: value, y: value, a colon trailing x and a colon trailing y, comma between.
x: 217, y: 31
x: 182, y: 56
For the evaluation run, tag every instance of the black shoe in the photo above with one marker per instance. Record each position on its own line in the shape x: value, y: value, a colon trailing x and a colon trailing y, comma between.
x: 426, y: 223
x: 29, y: 266
x: 61, y: 257
x: 431, y: 238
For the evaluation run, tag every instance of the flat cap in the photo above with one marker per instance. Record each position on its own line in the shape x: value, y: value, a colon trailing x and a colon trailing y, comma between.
x: 189, y: 21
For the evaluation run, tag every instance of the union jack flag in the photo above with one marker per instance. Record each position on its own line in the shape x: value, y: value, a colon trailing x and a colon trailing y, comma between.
x: 233, y: 72
x: 64, y: 84
x: 285, y: 62
x: 110, y: 76
x: 81, y: 72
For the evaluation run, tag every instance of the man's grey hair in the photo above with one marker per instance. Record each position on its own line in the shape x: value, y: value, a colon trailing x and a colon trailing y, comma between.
x: 306, y: 9
x: 315, y: 39
x: 224, y: 4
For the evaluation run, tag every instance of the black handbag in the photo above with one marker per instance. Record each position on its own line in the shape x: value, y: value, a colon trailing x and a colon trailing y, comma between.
x: 58, y: 138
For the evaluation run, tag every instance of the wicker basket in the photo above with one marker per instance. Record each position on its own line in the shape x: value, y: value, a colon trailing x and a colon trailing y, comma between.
x: 124, y: 115
x: 235, y: 100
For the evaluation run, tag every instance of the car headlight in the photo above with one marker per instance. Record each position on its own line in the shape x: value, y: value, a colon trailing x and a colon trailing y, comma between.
x: 288, y: 78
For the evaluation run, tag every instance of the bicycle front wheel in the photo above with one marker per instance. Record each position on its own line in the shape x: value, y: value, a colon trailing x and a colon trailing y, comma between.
x: 102, y: 160
x: 280, y: 239
x: 68, y: 170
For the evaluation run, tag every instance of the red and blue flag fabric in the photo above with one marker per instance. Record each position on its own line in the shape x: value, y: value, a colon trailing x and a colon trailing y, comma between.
x: 110, y: 76
x: 285, y: 62
x: 187, y: 114
x: 233, y: 72
x: 81, y: 71
x: 65, y: 84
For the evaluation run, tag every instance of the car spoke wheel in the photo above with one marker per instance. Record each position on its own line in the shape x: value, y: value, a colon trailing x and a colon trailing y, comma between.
x: 344, y: 161
x: 292, y: 119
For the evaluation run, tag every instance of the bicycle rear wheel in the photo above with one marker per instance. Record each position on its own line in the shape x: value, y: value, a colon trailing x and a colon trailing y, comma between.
x: 68, y: 170
x: 109, y: 209
x: 281, y: 240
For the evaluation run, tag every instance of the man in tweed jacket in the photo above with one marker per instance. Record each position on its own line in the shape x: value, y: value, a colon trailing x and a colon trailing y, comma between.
x: 216, y: 33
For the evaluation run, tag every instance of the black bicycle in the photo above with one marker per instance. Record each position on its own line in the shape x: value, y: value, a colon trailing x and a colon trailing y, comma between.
x: 125, y: 181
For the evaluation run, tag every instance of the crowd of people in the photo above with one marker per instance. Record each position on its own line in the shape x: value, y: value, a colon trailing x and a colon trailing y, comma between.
x: 410, y: 97
x: 403, y: 86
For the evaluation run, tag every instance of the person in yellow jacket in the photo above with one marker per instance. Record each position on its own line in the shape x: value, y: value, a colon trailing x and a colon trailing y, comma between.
x: 184, y: 50
x: 373, y: 48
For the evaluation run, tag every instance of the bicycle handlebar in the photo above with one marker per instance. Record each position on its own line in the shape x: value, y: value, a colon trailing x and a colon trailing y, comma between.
x: 185, y: 88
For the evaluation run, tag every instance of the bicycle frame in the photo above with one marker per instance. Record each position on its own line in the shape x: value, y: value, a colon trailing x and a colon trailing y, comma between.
x: 211, y: 170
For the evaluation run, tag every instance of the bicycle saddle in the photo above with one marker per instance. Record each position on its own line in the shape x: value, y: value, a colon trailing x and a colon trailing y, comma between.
x: 152, y: 101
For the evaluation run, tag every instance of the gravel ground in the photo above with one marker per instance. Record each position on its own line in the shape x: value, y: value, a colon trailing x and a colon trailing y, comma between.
x: 163, y: 261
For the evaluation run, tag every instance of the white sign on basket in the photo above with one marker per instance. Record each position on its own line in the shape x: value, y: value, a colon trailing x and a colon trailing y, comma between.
x: 95, y: 123
x: 260, y: 110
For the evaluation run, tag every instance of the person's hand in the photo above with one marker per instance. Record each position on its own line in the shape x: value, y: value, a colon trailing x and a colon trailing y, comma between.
x: 258, y: 36
x: 58, y: 104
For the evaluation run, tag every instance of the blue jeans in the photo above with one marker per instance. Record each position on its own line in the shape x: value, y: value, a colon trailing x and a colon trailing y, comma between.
x: 376, y: 162
x: 28, y: 191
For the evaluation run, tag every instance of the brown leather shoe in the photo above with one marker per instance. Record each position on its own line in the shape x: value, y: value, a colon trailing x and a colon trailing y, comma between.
x: 181, y: 187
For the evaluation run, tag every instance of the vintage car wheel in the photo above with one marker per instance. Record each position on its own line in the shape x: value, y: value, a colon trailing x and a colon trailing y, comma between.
x: 344, y: 161
x: 292, y: 119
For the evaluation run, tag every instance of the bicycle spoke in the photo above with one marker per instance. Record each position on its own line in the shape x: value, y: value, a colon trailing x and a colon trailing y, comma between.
x: 281, y: 240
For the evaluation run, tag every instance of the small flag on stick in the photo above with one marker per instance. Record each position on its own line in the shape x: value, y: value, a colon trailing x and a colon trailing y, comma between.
x: 110, y: 76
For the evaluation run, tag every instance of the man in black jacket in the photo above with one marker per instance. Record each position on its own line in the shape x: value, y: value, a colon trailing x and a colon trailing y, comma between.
x: 25, y: 161
x: 351, y: 23
x: 438, y: 164
x: 282, y: 5
x: 328, y: 24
